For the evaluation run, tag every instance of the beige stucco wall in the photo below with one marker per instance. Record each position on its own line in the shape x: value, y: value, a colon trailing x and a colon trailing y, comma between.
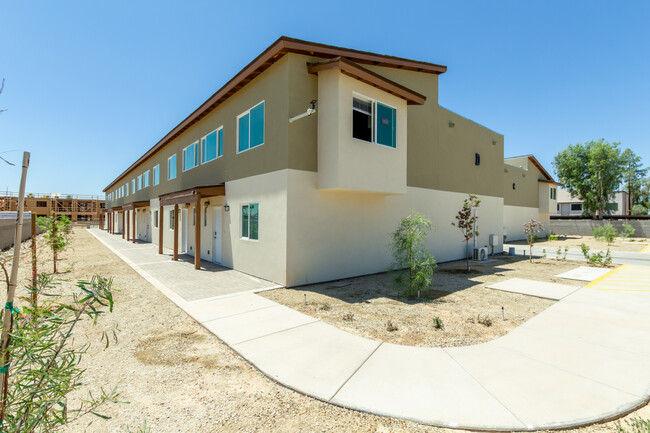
x: 526, y: 190
x: 334, y: 234
x: 514, y: 218
x: 345, y: 162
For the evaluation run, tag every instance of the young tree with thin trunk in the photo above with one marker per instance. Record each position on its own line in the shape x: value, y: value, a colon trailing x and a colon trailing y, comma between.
x: 58, y: 233
x: 413, y: 261
x: 531, y: 229
x: 466, y: 222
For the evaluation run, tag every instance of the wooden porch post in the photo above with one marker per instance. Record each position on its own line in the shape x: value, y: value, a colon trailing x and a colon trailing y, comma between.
x: 128, y: 227
x: 160, y: 230
x: 175, y: 257
x: 133, y: 212
x: 123, y: 234
x: 197, y: 235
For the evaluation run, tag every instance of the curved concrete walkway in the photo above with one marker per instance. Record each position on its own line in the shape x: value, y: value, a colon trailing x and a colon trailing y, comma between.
x: 583, y: 360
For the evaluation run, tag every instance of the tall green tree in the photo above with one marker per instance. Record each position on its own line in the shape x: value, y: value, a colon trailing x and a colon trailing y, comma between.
x: 592, y: 171
x: 633, y: 176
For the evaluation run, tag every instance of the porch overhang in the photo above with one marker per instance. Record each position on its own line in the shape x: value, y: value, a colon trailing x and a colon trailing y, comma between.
x: 135, y: 204
x: 192, y: 195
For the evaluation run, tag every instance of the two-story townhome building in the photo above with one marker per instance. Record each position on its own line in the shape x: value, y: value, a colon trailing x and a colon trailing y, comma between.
x: 254, y: 180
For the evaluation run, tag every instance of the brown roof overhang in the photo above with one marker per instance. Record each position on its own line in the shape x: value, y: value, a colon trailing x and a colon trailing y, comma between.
x: 552, y: 182
x: 191, y: 195
x: 135, y: 204
x: 348, y: 67
x: 262, y: 62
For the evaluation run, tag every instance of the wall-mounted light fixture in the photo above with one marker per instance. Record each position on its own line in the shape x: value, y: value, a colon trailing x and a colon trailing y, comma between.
x: 451, y: 124
x: 226, y: 208
x: 477, y: 159
x: 494, y: 142
x: 206, y: 204
x: 513, y: 185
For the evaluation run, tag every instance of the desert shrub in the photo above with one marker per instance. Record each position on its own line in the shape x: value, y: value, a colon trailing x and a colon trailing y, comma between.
x: 553, y: 237
x: 324, y: 307
x: 543, y: 253
x: 45, y: 359
x: 605, y: 233
x: 634, y: 425
x: 639, y: 210
x: 628, y: 230
x: 484, y: 320
x: 599, y: 258
x: 413, y: 261
x: 348, y: 317
x: 437, y: 323
x: 390, y: 327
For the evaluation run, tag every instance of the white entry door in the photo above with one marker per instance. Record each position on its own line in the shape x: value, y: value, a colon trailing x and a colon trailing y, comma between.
x: 216, y: 235
x: 184, y: 221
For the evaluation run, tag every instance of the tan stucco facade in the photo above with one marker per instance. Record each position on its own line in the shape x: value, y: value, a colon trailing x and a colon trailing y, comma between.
x: 328, y: 202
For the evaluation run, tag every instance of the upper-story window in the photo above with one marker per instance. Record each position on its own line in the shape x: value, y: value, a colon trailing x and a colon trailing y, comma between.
x: 139, y: 182
x: 250, y: 128
x: 171, y: 167
x: 212, y: 145
x: 127, y: 189
x: 190, y: 156
x: 156, y: 174
x: 133, y: 186
x: 374, y: 122
x: 145, y: 179
x: 553, y: 193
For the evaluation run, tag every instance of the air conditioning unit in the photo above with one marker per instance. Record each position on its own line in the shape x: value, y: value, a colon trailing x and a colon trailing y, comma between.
x: 481, y: 253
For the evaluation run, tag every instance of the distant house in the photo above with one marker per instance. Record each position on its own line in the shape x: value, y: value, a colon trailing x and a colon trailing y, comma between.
x: 573, y: 206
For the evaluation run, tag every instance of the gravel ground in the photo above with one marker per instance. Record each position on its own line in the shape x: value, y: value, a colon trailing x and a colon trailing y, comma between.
x: 365, y: 305
x: 180, y: 378
x: 574, y: 241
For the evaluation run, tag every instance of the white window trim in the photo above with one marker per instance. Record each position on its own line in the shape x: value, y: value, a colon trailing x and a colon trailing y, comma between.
x: 374, y: 101
x: 145, y: 176
x: 249, y: 129
x: 241, y: 235
x: 168, y: 172
x: 218, y: 156
x: 153, y: 180
x: 196, y: 145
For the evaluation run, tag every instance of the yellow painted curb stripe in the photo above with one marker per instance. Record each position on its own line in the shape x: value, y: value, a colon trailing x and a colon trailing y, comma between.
x: 624, y: 285
x: 602, y: 277
x: 645, y: 248
x: 624, y: 290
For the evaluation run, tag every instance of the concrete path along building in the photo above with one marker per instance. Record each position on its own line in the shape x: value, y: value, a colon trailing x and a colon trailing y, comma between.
x: 583, y: 360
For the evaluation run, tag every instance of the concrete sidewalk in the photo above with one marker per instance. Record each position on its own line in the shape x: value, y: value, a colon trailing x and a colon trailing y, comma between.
x: 583, y: 360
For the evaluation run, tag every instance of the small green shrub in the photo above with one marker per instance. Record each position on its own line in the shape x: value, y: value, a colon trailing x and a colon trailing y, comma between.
x: 566, y: 250
x: 484, y: 320
x: 437, y: 323
x: 628, y: 230
x: 634, y: 425
x: 324, y: 307
x: 605, y: 233
x: 544, y: 253
x: 553, y: 237
x: 390, y: 327
x: 639, y: 210
x: 599, y: 258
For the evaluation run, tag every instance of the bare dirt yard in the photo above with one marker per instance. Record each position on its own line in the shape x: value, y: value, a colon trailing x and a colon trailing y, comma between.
x: 180, y: 378
x: 470, y: 312
x: 575, y: 241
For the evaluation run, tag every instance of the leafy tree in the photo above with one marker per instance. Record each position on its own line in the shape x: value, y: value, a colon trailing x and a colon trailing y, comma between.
x: 633, y: 175
x: 412, y: 259
x: 639, y: 210
x: 592, y: 171
x: 58, y: 233
x: 531, y: 229
x: 466, y: 221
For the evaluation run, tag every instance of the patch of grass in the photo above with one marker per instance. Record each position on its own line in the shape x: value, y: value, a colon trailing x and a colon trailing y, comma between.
x: 634, y: 425
x: 390, y: 327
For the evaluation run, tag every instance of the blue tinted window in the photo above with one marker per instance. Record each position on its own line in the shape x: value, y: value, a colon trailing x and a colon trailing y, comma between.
x: 243, y: 139
x: 156, y: 175
x: 257, y: 125
x: 189, y: 157
x: 171, y: 168
x: 220, y: 151
x: 386, y: 128
x: 209, y: 143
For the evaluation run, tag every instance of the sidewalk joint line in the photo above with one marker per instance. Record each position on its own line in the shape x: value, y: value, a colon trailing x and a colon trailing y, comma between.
x: 267, y: 335
x: 356, y: 371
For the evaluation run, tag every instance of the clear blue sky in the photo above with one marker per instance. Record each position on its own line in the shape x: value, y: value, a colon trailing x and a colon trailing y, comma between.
x: 90, y: 86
